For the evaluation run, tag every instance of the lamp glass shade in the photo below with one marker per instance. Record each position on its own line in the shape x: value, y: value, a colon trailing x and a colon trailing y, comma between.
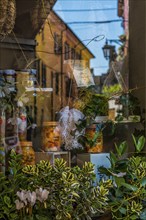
x: 108, y: 51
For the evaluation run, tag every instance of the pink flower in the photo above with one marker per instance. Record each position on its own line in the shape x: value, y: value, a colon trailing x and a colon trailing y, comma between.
x: 19, y: 205
x: 22, y: 195
x: 31, y: 197
x: 42, y: 194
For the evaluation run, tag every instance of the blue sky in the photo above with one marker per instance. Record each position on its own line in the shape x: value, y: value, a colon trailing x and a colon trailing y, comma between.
x: 111, y: 30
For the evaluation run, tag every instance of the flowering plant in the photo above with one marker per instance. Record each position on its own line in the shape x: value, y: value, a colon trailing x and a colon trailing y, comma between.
x: 49, y: 192
x: 68, y: 127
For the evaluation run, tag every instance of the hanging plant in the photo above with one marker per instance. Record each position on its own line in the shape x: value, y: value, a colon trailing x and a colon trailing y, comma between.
x: 40, y: 12
x: 7, y: 17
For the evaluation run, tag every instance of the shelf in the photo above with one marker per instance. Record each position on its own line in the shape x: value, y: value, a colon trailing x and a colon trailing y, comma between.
x: 51, y: 156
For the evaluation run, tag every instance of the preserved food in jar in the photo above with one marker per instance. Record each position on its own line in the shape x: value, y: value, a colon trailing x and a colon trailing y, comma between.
x: 28, y: 154
x: 50, y: 137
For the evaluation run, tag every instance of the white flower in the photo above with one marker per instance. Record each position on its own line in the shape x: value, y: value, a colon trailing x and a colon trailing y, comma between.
x: 42, y: 194
x: 20, y: 103
x: 22, y: 195
x: 31, y: 197
x: 19, y: 205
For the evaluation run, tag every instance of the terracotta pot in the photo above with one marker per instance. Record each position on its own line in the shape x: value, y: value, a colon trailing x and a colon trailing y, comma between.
x: 90, y: 134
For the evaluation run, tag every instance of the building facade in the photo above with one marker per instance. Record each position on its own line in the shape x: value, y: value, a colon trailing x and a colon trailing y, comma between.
x: 58, y: 49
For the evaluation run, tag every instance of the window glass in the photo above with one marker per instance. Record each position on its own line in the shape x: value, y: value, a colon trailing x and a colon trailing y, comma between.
x: 50, y: 51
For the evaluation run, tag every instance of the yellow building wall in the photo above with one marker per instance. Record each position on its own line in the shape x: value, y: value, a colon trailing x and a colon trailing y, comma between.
x: 58, y: 74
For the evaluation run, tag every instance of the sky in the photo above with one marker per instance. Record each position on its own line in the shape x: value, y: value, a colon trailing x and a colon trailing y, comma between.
x: 92, y: 11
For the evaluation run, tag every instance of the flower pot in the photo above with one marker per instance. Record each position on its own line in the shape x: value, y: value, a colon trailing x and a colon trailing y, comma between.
x: 92, y: 134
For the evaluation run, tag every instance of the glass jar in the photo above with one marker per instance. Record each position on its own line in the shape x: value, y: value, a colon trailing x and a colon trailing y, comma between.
x: 50, y: 136
x: 28, y: 154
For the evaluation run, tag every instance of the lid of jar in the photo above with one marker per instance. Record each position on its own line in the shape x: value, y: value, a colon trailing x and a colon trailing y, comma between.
x: 50, y: 123
x: 26, y: 144
x: 9, y: 72
x: 30, y: 71
x: 23, y: 72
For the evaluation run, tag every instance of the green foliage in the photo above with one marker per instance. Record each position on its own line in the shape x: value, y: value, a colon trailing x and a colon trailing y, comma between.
x: 49, y: 192
x: 91, y: 103
x: 140, y: 143
x: 128, y: 196
x: 91, y: 141
x: 130, y: 104
x: 8, y: 187
x: 111, y: 90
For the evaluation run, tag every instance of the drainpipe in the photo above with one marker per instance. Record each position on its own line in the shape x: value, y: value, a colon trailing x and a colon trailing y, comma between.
x: 61, y: 60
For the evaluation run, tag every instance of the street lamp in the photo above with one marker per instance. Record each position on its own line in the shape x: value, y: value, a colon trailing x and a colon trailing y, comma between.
x: 109, y: 51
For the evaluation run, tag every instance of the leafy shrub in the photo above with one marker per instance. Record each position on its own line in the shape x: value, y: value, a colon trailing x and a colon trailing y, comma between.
x: 49, y: 192
x: 128, y: 196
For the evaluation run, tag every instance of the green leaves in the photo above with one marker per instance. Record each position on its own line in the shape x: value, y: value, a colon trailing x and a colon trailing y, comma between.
x: 7, y: 201
x: 71, y: 192
x: 122, y: 148
x: 119, y: 181
x: 143, y: 182
x: 128, y: 194
x: 129, y: 186
x: 139, y: 143
x: 113, y: 159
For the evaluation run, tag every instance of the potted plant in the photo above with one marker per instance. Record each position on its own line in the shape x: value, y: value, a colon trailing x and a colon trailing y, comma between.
x: 128, y: 172
x: 130, y: 108
x: 94, y: 106
x: 47, y: 192
x: 112, y: 92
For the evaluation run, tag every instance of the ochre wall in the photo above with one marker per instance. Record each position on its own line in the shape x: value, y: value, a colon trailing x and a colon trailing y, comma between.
x: 55, y: 63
